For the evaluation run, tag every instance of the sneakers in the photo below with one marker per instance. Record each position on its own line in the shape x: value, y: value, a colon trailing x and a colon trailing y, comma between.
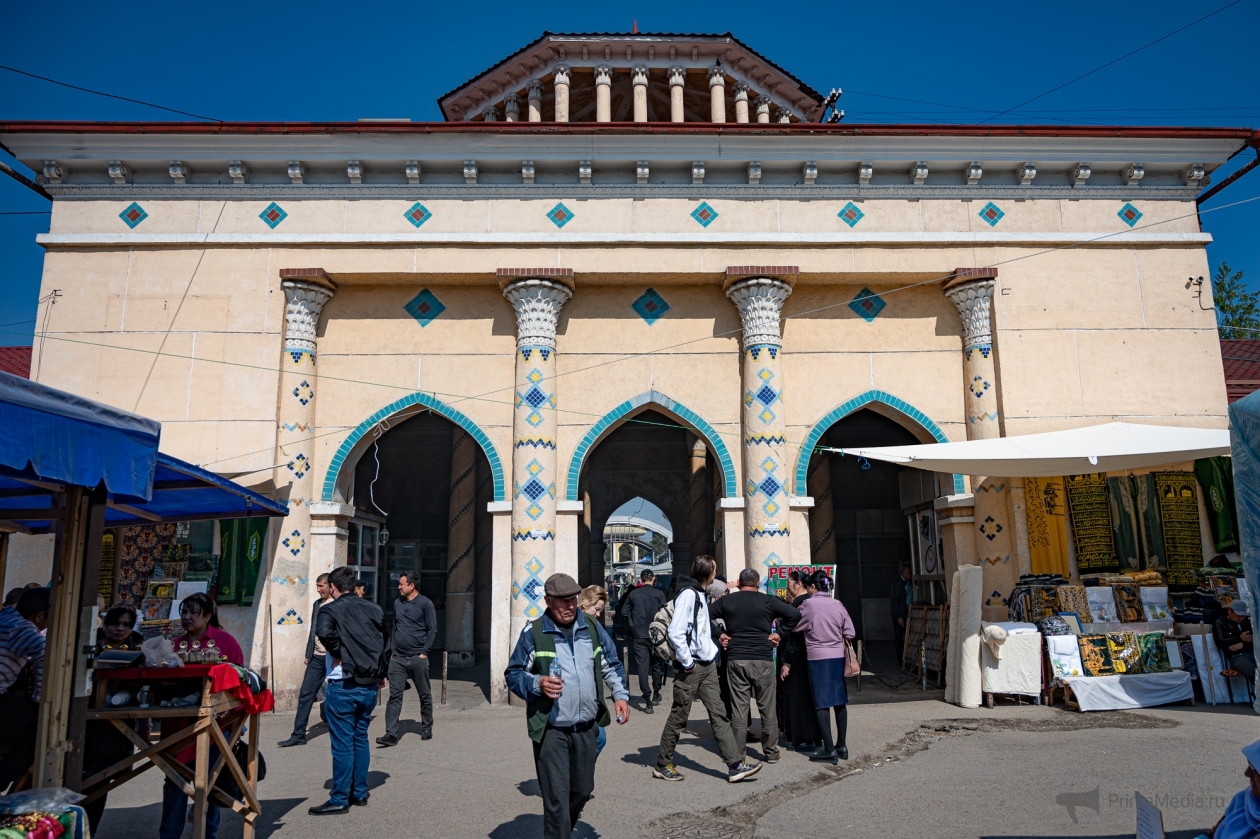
x: 386, y: 740
x: 667, y: 773
x: 743, y: 770
x: 292, y: 741
x: 774, y: 759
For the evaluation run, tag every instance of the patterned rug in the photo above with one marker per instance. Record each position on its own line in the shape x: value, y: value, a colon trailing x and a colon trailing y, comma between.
x: 1125, y: 655
x: 1128, y: 603
x: 1096, y: 656
x: 1089, y: 509
x: 1154, y: 649
x: 137, y: 549
x: 1047, y: 525
x: 1179, y: 514
x: 1074, y: 599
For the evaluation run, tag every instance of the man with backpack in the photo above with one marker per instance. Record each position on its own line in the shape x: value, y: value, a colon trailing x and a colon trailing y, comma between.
x: 559, y: 669
x: 696, y: 676
x: 641, y: 605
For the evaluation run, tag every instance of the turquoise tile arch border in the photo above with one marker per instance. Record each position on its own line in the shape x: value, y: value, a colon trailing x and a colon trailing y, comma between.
x: 437, y: 406
x: 688, y: 416
x: 857, y: 403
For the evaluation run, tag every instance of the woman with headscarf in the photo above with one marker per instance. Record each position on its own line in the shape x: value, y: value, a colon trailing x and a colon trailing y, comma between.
x: 797, y: 719
x: 826, y: 625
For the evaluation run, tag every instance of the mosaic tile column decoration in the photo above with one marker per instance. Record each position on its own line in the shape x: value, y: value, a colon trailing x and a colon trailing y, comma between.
x: 289, y: 585
x: 537, y: 296
x: 971, y: 290
x: 461, y: 568
x: 766, y: 513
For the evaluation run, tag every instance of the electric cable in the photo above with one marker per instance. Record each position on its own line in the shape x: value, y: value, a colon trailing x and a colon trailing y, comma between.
x: 108, y: 95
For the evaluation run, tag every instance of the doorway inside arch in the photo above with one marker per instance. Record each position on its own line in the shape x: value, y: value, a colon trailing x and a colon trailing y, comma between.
x: 637, y: 538
x: 405, y: 520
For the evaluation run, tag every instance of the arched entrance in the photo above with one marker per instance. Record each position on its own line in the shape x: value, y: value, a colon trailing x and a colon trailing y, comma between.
x: 637, y: 537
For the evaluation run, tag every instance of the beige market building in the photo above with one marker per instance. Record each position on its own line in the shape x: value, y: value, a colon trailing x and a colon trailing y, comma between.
x: 624, y: 266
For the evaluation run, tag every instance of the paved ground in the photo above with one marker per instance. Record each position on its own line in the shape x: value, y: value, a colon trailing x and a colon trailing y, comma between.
x: 918, y: 767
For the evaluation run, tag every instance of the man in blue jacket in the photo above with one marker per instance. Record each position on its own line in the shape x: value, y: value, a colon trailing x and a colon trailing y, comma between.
x: 559, y: 669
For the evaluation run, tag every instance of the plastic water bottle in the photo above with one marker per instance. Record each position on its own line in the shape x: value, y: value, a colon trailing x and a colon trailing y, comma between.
x: 145, y: 697
x: 555, y: 671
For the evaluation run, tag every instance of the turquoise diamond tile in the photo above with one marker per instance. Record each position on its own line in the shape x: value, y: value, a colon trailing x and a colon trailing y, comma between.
x: 424, y: 307
x: 650, y: 306
x: 133, y: 215
x: 273, y: 215
x: 867, y: 305
x: 850, y: 214
x: 704, y: 214
x: 417, y: 214
x: 991, y: 214
x: 1129, y: 214
x: 560, y: 215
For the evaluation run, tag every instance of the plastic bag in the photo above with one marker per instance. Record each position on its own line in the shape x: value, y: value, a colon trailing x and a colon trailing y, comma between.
x: 46, y: 800
x: 158, y: 652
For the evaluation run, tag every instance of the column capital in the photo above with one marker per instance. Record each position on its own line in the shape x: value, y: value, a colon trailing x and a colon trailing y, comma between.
x: 971, y: 291
x: 534, y: 90
x: 563, y: 73
x: 677, y: 76
x: 760, y: 301
x: 512, y: 107
x: 717, y: 76
x: 603, y: 74
x: 741, y: 91
x: 639, y: 75
x: 537, y: 294
x: 306, y: 290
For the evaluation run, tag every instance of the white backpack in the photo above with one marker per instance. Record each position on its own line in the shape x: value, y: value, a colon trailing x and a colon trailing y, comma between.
x: 658, y: 630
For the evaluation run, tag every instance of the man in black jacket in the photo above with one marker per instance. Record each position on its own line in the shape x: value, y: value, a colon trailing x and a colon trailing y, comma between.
x: 899, y: 596
x: 1233, y: 636
x: 313, y: 679
x: 642, y: 604
x: 415, y: 627
x: 352, y: 631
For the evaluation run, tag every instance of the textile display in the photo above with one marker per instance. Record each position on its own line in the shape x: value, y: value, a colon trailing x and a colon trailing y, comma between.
x: 1054, y: 626
x: 1179, y: 512
x: 137, y: 549
x: 1128, y: 604
x: 966, y: 664
x: 1065, y: 655
x: 1102, y: 604
x: 1096, y: 656
x: 1216, y: 476
x: 105, y: 582
x: 1143, y: 690
x: 1150, y: 530
x: 1089, y: 506
x: 1153, y: 648
x: 1074, y: 599
x: 1185, y: 651
x: 1146, y: 578
x: 1124, y: 530
x: 1018, y: 670
x: 1155, y: 603
x: 1047, y: 525
x: 1125, y: 655
x: 1044, y: 602
x: 243, y: 546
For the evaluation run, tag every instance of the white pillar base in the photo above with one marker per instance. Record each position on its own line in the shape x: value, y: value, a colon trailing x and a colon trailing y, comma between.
x: 798, y: 520
x: 732, y: 512
x: 502, y: 634
x: 567, y: 515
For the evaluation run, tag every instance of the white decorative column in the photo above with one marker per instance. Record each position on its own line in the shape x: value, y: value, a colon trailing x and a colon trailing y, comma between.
x: 562, y: 77
x: 512, y: 108
x: 741, y: 102
x: 502, y: 638
x: 461, y: 567
x: 536, y: 295
x: 971, y: 291
x: 717, y: 94
x: 639, y: 78
x: 785, y: 116
x: 535, y: 93
x: 759, y: 292
x: 763, y: 109
x: 306, y: 290
x: 677, y: 77
x: 603, y: 93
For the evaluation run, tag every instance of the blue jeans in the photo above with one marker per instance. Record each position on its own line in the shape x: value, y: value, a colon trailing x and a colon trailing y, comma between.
x: 601, y: 741
x: 175, y: 809
x: 350, y: 708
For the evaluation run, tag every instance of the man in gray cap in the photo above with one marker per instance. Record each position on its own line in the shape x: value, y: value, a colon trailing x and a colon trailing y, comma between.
x: 559, y: 669
x: 1233, y: 636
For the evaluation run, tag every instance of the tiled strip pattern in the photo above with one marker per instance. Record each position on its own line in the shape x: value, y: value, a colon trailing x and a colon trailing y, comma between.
x: 305, y: 293
x: 759, y: 292
x: 537, y: 296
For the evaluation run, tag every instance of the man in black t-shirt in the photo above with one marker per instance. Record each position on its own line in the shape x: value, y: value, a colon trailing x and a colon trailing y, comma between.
x: 415, y: 627
x: 749, y: 643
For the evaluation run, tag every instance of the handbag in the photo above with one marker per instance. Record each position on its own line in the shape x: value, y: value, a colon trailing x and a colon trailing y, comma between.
x: 852, y: 667
x: 227, y: 783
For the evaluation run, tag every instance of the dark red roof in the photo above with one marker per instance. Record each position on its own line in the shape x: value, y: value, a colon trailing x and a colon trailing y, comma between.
x: 1241, y: 359
x: 17, y: 360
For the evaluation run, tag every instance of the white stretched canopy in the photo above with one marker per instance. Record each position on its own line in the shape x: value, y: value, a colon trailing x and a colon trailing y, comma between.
x: 1113, y: 447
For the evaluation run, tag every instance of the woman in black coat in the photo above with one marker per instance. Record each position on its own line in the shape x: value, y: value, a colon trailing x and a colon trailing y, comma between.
x: 797, y: 719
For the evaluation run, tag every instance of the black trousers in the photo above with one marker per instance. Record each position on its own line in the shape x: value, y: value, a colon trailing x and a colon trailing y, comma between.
x: 565, y: 764
x: 899, y: 641
x: 402, y: 669
x: 312, y: 681
x: 647, y: 662
x: 19, y: 716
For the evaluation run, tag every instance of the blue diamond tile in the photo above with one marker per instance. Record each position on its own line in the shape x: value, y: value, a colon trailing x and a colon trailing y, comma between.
x: 850, y: 214
x: 424, y: 307
x: 417, y: 214
x: 273, y: 215
x: 650, y: 306
x: 867, y: 305
x: 770, y: 487
x: 991, y: 214
x: 532, y: 587
x: 535, y: 397
x: 767, y: 395
x: 560, y: 215
x: 534, y: 489
x: 1129, y: 214
x: 133, y: 215
x: 704, y: 214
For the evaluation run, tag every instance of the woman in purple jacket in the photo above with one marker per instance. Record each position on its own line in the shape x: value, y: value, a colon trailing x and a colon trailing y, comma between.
x: 826, y: 625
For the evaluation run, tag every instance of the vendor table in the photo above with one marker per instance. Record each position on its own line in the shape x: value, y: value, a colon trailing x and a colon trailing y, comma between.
x: 1125, y: 691
x: 225, y: 709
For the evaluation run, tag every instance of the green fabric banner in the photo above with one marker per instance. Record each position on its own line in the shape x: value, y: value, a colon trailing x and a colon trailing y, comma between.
x: 242, y: 543
x: 1149, y: 527
x: 1216, y: 477
x: 1124, y: 523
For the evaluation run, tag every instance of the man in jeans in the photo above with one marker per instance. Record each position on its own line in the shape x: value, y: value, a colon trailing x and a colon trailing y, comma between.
x: 415, y: 627
x: 642, y: 604
x: 696, y: 676
x: 749, y: 642
x: 313, y: 679
x: 352, y: 631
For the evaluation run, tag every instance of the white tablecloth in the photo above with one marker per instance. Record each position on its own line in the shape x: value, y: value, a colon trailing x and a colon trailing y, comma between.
x: 1019, y: 669
x: 1139, y: 690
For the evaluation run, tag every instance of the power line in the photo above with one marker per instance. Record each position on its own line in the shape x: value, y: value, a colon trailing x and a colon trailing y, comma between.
x: 108, y: 95
x: 1109, y: 63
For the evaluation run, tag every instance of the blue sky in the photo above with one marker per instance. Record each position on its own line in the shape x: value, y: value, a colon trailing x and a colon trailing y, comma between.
x: 323, y: 61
